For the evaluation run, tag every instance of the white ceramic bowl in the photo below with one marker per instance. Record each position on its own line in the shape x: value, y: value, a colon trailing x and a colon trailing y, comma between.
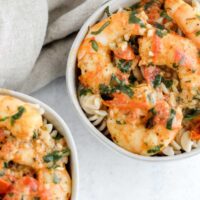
x: 72, y: 82
x: 61, y: 126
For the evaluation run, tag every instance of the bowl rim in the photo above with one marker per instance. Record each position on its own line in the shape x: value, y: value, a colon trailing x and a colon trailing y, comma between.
x: 66, y: 132
x: 72, y: 90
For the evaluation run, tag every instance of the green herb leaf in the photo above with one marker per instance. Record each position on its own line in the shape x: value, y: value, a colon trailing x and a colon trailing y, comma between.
x: 56, y: 155
x: 94, y: 45
x: 168, y: 83
x: 107, y: 11
x: 16, y: 116
x: 124, y: 66
x: 58, y: 136
x: 4, y: 119
x: 85, y: 91
x: 161, y: 33
x: 150, y: 121
x: 133, y: 19
x: 149, y: 4
x: 197, y: 33
x: 191, y: 114
x: 165, y: 15
x: 6, y: 165
x: 157, y: 81
x: 121, y: 86
x: 159, y: 26
x: 136, y: 6
x: 170, y: 120
x: 155, y: 149
x: 35, y: 134
x: 120, y: 122
x: 101, y: 29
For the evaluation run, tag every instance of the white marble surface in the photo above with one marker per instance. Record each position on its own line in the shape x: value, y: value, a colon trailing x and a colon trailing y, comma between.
x: 106, y: 175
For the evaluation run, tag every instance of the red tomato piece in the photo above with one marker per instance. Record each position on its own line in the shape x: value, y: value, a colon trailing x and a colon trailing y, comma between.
x: 4, y: 186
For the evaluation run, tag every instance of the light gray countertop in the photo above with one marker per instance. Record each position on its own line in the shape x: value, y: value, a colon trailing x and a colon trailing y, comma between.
x: 107, y: 175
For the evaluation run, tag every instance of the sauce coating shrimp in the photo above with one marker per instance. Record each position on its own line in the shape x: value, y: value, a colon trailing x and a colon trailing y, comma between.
x: 94, y: 56
x: 186, y: 17
x: 177, y: 53
x: 16, y: 115
x: 141, y: 124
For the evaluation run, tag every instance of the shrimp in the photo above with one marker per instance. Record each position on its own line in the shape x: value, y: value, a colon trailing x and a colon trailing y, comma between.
x: 105, y: 37
x: 186, y: 18
x: 54, y: 184
x: 145, y: 124
x: 177, y: 53
x: 20, y: 118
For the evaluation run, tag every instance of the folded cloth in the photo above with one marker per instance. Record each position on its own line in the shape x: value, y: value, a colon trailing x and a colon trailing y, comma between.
x: 35, y: 38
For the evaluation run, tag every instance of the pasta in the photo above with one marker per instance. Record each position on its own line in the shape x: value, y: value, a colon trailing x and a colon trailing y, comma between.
x: 139, y: 77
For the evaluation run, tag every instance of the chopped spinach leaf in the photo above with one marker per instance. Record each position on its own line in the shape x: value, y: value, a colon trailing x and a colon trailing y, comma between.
x: 149, y: 4
x: 107, y: 11
x: 168, y: 83
x: 170, y: 120
x: 101, y: 29
x: 115, y: 85
x: 150, y: 121
x: 6, y: 165
x: 161, y: 33
x: 157, y: 81
x: 120, y: 122
x: 57, y: 137
x: 133, y: 19
x: 3, y: 119
x: 85, y: 91
x: 94, y: 45
x: 124, y: 66
x: 155, y: 149
x: 35, y: 134
x: 191, y: 114
x: 197, y: 33
x: 165, y: 15
x: 136, y: 6
x: 159, y: 26
x: 56, y: 155
x: 16, y: 116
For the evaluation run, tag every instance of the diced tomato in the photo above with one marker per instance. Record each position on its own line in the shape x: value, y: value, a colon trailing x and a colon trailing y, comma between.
x: 150, y: 73
x: 2, y: 135
x: 4, y: 186
x: 127, y: 54
x: 195, y: 134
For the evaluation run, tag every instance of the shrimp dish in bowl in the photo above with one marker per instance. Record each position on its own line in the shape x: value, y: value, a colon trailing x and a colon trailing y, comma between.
x: 138, y: 76
x: 35, y: 159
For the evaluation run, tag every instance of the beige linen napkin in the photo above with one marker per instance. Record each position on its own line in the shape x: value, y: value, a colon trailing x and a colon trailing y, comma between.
x: 35, y: 38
